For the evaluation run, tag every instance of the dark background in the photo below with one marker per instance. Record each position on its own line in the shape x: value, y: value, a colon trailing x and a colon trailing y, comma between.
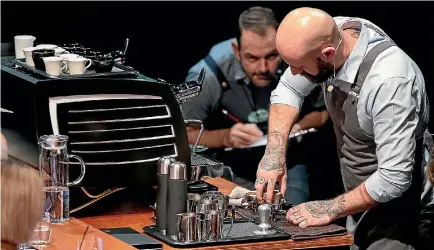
x: 166, y: 38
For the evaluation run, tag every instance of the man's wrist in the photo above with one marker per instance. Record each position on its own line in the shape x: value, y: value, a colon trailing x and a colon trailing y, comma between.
x: 225, y: 137
x: 274, y: 156
x: 354, y: 201
x: 333, y: 208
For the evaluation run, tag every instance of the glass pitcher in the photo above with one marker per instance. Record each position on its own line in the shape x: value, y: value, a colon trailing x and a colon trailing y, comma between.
x: 54, y: 169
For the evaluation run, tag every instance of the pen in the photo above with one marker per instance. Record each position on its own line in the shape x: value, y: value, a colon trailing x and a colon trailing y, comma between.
x: 233, y: 118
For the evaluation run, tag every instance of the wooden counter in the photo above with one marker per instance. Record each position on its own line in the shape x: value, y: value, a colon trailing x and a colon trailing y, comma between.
x: 70, y: 233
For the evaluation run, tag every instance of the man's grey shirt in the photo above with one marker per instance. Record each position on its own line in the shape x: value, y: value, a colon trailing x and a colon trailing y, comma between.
x: 201, y: 106
x: 393, y: 108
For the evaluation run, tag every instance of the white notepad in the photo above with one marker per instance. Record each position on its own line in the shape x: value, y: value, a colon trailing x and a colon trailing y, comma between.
x: 263, y: 140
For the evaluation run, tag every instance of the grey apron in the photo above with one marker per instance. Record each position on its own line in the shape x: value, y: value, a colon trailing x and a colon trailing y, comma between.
x: 390, y: 225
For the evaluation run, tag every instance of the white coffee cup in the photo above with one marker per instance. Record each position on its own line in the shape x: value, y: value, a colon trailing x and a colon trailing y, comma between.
x: 21, y: 42
x: 46, y: 46
x: 77, y: 66
x: 66, y: 57
x: 53, y: 65
x: 28, y: 56
x: 59, y: 51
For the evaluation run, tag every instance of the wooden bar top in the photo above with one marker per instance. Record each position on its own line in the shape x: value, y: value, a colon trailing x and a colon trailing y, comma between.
x: 138, y: 220
x: 68, y: 236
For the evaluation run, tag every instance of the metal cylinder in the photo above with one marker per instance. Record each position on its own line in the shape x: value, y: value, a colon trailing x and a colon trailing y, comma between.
x: 264, y: 211
x: 215, y: 224
x: 163, y: 164
x: 187, y: 227
x: 277, y: 198
x: 230, y: 211
x: 202, y: 230
x: 161, y: 199
x: 177, y: 171
x: 203, y: 206
x: 176, y: 196
x: 192, y: 200
x: 223, y: 200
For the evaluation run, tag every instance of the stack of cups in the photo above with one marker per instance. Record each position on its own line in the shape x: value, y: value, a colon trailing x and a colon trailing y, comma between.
x: 55, y: 60
x: 182, y: 216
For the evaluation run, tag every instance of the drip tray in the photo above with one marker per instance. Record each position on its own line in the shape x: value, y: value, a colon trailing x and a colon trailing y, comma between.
x: 241, y: 232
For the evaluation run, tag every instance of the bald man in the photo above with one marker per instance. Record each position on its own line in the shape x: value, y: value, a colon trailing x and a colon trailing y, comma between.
x: 376, y: 97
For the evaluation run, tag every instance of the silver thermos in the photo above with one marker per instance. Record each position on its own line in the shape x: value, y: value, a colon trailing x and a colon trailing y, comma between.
x: 176, y: 196
x: 162, y: 175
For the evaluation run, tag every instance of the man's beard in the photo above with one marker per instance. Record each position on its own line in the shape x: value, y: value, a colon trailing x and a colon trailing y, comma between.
x: 271, y: 76
x: 325, y: 71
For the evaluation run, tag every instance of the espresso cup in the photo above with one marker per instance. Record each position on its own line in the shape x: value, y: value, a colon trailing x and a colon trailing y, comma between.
x: 59, y: 51
x: 67, y: 56
x: 53, y: 65
x: 103, y: 66
x: 65, y: 59
x: 46, y: 46
x: 28, y: 56
x: 77, y: 66
x: 38, y: 55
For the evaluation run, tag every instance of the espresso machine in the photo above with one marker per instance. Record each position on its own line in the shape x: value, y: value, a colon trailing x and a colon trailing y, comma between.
x: 119, y: 122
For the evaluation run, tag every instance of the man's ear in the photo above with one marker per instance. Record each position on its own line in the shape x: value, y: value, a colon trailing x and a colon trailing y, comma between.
x: 328, y: 54
x: 236, y: 49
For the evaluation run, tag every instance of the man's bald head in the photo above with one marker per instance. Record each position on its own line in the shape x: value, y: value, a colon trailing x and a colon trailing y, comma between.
x: 305, y: 29
x: 305, y: 36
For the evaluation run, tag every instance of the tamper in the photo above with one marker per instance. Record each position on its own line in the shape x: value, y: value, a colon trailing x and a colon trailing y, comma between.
x: 160, y: 210
x: 264, y: 211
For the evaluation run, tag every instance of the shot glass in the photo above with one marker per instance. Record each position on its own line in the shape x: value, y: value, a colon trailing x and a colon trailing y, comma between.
x: 42, y: 232
x: 90, y: 243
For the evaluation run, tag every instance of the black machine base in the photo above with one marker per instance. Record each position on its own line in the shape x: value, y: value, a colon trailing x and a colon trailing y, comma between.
x: 200, y: 187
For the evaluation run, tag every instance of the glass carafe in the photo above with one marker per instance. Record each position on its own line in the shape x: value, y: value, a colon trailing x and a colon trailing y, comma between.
x: 54, y: 168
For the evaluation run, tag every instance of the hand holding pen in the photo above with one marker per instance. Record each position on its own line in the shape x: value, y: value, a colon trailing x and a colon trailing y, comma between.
x: 233, y: 118
x: 242, y: 135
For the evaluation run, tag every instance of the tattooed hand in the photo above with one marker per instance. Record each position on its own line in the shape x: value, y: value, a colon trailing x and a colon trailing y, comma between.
x: 316, y: 213
x: 272, y: 167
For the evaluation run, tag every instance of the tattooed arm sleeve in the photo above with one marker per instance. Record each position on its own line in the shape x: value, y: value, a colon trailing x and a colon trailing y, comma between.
x: 281, y: 119
x: 355, y: 201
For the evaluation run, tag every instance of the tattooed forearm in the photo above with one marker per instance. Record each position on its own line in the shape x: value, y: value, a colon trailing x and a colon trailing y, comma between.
x: 332, y: 208
x: 275, y: 152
